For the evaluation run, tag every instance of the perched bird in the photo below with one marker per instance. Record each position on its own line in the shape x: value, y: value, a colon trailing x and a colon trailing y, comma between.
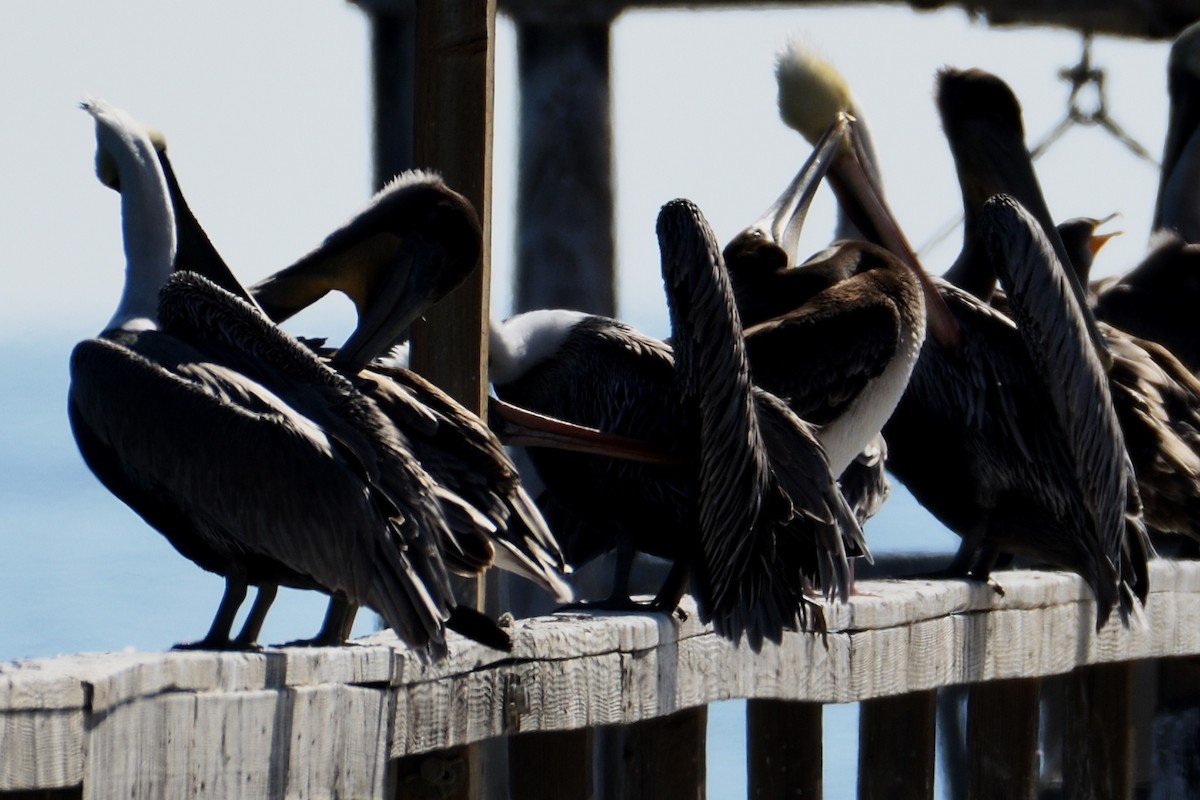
x: 1156, y: 399
x: 771, y: 515
x: 416, y: 240
x: 1156, y: 299
x: 962, y: 440
x: 835, y: 337
x: 749, y: 532
x: 254, y: 459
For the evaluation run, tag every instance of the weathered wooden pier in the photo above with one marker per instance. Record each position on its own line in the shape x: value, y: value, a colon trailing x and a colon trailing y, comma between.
x: 371, y: 721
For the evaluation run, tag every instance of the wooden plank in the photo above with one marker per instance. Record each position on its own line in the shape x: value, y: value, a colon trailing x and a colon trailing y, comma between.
x: 894, y: 765
x: 296, y: 742
x: 1098, y: 733
x: 1002, y: 739
x: 660, y: 759
x: 548, y: 766
x: 578, y: 670
x: 784, y: 746
x: 41, y: 749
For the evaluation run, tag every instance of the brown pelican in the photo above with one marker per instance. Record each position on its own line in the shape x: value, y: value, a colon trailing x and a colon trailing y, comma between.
x: 415, y: 241
x: 836, y: 338
x: 1156, y: 399
x: 751, y: 507
x: 961, y: 440
x: 1156, y: 300
x: 762, y: 470
x: 253, y: 459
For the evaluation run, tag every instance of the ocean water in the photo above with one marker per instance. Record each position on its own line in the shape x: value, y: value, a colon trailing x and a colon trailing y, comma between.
x: 81, y: 572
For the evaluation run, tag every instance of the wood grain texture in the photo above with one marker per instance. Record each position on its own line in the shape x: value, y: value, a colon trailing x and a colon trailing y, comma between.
x: 164, y: 721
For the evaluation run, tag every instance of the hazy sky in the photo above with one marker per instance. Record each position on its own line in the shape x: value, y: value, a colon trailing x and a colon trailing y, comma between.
x: 266, y: 109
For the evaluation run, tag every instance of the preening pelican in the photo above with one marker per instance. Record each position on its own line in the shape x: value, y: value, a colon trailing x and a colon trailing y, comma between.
x: 771, y: 514
x: 722, y: 511
x: 961, y: 436
x: 836, y: 337
x: 1154, y: 396
x: 253, y: 459
x: 415, y: 241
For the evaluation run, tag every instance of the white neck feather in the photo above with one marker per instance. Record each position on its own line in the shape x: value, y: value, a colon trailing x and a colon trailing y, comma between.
x: 147, y: 217
x: 523, y: 340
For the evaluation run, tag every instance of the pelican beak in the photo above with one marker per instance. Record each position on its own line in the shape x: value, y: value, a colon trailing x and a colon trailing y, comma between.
x: 784, y: 220
x: 518, y: 426
x: 862, y: 200
x: 1098, y: 240
x: 405, y: 288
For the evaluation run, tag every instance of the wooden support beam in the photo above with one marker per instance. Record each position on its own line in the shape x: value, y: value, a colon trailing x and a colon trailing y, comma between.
x: 1098, y: 733
x: 329, y: 721
x: 1148, y: 19
x: 453, y: 774
x: 453, y: 134
x: 393, y: 87
x: 784, y: 745
x: 1002, y: 740
x: 548, y: 766
x: 897, y: 740
x: 564, y: 185
x: 659, y: 759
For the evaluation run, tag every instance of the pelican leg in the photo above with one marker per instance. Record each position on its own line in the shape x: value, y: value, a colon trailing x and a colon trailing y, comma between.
x: 668, y: 597
x: 217, y: 637
x: 252, y: 627
x: 335, y: 630
x: 972, y: 562
x: 618, y: 598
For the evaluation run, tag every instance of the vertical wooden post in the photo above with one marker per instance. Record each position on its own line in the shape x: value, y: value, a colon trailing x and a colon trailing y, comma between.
x: 659, y: 759
x: 393, y: 58
x: 548, y: 766
x: 784, y: 748
x: 1098, y: 733
x: 564, y: 235
x: 453, y: 134
x: 564, y: 184
x: 896, y: 745
x: 1002, y: 739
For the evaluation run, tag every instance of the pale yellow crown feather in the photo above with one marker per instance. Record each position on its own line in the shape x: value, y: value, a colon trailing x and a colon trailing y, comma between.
x: 811, y: 90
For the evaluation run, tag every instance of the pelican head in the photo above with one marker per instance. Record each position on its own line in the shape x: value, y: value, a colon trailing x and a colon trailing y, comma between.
x: 416, y: 240
x: 811, y: 93
x: 1176, y: 207
x: 106, y: 164
x: 772, y: 241
x: 982, y: 122
x: 125, y: 153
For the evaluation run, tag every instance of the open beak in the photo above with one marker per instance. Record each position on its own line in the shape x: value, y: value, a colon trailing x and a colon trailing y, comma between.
x: 517, y: 426
x: 784, y: 220
x: 863, y: 202
x: 407, y: 286
x: 1098, y: 240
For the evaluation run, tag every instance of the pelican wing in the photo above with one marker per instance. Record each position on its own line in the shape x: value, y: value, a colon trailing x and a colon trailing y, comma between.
x: 197, y: 437
x: 791, y: 355
x: 1055, y: 330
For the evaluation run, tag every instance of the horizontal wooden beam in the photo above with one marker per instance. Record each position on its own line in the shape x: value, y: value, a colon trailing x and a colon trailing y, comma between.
x: 327, y: 720
x: 1151, y: 19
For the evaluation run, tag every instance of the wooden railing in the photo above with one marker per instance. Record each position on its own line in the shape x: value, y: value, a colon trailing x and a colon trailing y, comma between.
x: 333, y: 722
